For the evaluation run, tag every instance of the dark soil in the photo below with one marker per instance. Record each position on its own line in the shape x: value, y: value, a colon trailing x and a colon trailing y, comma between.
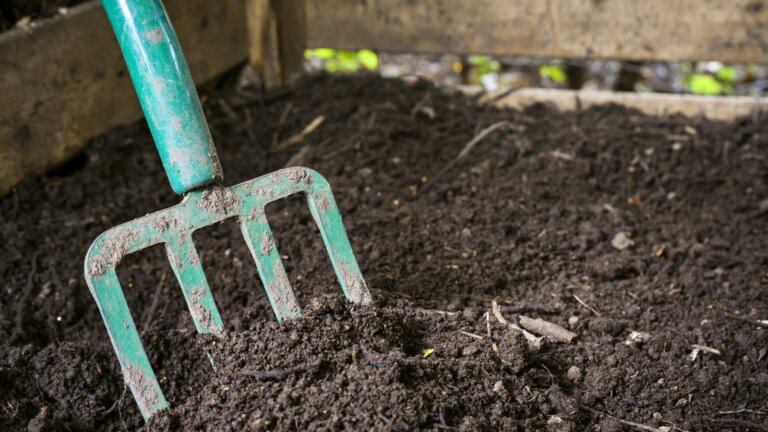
x: 527, y: 218
x: 11, y: 11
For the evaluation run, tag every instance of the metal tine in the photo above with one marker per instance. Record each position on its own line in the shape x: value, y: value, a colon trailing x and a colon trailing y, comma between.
x: 174, y: 228
x: 326, y: 214
x: 125, y: 338
x: 263, y: 249
x: 189, y: 272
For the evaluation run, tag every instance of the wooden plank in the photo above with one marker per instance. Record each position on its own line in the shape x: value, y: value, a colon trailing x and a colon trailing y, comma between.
x: 724, y: 30
x: 277, y: 39
x: 66, y: 80
x: 292, y: 31
x: 263, y: 48
x: 654, y: 104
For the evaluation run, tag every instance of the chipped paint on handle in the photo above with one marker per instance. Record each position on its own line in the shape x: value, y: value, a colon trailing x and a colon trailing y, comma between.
x: 174, y: 226
x: 166, y: 91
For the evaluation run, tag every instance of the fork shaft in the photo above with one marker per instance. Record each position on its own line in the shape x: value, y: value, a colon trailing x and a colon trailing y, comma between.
x: 166, y: 91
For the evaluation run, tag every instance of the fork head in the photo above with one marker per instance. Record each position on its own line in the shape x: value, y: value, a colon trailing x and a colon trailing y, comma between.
x: 174, y: 226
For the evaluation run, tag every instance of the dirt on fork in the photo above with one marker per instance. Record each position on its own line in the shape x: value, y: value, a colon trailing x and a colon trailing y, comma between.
x: 643, y: 236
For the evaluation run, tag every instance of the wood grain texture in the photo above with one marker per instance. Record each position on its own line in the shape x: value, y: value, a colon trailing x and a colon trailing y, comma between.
x: 654, y: 104
x: 263, y: 48
x: 66, y: 81
x: 277, y: 39
x: 725, y: 30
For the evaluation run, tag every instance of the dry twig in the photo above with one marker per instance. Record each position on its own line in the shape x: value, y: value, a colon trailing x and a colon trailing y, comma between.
x: 438, y: 312
x: 638, y: 426
x: 472, y: 335
x: 587, y: 306
x: 743, y: 410
x: 534, y: 343
x: 299, y: 137
x: 488, y: 323
x: 742, y: 425
x: 299, y: 158
x: 547, y: 329
x: 747, y: 320
x: 465, y: 151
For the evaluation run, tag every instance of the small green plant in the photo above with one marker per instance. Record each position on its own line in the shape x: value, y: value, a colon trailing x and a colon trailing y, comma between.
x: 726, y: 74
x: 715, y: 82
x: 344, y: 61
x: 368, y: 58
x: 705, y: 84
x: 484, y: 65
x: 553, y: 72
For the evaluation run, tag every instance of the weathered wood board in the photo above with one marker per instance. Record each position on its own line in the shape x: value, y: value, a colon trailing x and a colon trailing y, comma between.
x: 725, y: 30
x: 276, y: 39
x: 65, y: 80
x: 653, y: 104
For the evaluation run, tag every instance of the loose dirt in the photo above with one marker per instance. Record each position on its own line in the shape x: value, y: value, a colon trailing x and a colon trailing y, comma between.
x: 530, y: 217
x: 12, y: 11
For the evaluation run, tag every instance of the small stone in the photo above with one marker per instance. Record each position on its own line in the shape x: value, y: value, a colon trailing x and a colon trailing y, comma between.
x: 315, y: 303
x: 572, y: 321
x: 554, y: 420
x: 498, y: 386
x: 574, y: 373
x: 763, y: 206
x: 621, y: 241
x: 41, y: 422
x: 469, y: 350
x: 636, y: 337
x: 25, y: 23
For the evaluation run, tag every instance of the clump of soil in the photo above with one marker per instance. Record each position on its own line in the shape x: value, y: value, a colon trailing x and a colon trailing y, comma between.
x: 644, y: 236
x: 342, y: 367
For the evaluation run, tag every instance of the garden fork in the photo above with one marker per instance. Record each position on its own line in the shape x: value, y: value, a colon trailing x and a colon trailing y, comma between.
x: 176, y: 120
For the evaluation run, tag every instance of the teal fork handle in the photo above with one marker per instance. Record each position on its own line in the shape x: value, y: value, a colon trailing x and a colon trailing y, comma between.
x: 166, y: 91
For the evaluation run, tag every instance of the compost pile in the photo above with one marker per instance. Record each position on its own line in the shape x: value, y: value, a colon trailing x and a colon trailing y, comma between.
x: 643, y: 236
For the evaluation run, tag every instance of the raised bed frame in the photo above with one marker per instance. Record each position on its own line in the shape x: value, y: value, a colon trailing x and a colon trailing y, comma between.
x: 64, y: 81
